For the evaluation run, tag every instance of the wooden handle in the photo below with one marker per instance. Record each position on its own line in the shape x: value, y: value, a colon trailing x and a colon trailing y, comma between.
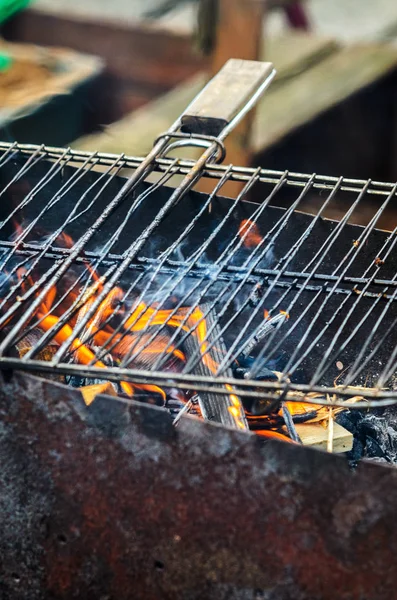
x: 225, y: 96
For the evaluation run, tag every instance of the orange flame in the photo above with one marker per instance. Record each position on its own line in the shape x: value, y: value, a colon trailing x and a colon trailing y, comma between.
x: 300, y: 408
x: 99, y: 332
x: 84, y: 355
x: 123, y: 344
x: 65, y: 240
x: 283, y: 312
x: 268, y: 433
x: 197, y: 319
x: 249, y: 232
x: 236, y: 409
x: 144, y: 315
x: 82, y: 352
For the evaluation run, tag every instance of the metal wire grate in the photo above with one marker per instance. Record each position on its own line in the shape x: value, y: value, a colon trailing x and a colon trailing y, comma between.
x: 66, y: 226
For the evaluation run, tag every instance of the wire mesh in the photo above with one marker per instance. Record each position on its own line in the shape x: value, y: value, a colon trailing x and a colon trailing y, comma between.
x: 115, y: 282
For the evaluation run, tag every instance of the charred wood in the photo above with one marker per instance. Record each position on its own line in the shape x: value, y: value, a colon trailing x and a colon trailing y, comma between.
x: 214, y: 407
x: 46, y: 354
x: 289, y: 423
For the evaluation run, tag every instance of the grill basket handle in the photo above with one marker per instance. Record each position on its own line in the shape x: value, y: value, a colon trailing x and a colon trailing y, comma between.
x: 227, y: 98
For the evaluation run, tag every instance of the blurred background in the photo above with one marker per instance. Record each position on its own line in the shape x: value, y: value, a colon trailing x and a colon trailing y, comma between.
x: 111, y: 76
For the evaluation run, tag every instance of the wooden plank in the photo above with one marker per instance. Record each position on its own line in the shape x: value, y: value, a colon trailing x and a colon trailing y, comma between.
x: 135, y: 133
x: 296, y: 52
x: 90, y: 392
x: 141, y: 62
x: 67, y: 70
x: 338, y: 77
x: 315, y: 435
x: 139, y: 53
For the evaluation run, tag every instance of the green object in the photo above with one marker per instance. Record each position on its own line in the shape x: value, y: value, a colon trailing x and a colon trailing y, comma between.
x: 5, y: 61
x: 9, y: 7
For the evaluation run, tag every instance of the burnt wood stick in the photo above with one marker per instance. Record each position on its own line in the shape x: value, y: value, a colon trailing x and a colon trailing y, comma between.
x: 220, y: 408
x: 279, y: 421
x: 289, y: 423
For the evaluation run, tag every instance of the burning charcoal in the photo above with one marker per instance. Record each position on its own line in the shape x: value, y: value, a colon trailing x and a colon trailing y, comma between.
x: 46, y: 354
x: 276, y: 420
x: 349, y: 419
x: 106, y: 309
x: 222, y: 408
x: 30, y: 340
x: 304, y: 418
x: 148, y: 352
x: 142, y: 350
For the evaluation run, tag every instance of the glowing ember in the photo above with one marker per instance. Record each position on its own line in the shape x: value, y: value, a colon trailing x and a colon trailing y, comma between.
x: 236, y: 410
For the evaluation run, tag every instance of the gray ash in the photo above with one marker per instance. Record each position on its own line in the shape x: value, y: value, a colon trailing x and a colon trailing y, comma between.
x: 375, y: 434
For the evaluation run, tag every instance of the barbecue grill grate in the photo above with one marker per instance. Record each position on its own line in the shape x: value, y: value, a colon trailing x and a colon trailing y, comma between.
x: 355, y: 275
x: 107, y: 278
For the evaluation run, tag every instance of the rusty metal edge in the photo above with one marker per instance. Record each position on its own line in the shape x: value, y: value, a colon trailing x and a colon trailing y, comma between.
x: 111, y: 501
